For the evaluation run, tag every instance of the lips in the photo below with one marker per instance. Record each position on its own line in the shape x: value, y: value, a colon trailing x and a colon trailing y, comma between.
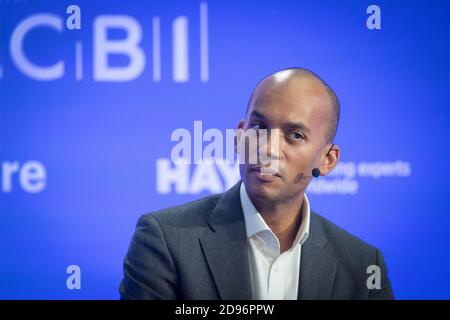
x: 265, y: 171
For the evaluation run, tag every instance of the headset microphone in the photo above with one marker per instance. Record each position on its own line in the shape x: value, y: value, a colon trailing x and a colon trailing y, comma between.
x: 315, y: 172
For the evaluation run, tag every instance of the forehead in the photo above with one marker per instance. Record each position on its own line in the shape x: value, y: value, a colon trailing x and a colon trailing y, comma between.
x: 303, y: 100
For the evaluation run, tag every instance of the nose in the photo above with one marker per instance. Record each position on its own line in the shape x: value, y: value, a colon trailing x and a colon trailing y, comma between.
x: 269, y: 147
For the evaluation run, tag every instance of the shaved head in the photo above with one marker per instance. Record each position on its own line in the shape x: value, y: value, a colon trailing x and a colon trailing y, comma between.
x: 307, y: 81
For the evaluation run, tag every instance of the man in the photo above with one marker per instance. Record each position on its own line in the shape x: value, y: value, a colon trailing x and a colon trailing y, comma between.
x: 260, y: 240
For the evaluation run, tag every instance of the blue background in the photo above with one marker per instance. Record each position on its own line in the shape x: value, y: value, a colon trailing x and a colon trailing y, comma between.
x: 99, y: 141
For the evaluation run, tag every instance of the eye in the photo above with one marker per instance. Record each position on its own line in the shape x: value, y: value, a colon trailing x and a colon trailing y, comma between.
x: 296, y: 136
x: 258, y: 126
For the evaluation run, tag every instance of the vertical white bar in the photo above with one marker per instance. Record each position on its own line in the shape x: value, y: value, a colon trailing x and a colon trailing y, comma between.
x: 180, y: 45
x: 78, y: 60
x: 204, y: 50
x: 156, y: 49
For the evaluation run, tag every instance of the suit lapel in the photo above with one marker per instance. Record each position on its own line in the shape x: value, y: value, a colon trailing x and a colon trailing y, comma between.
x: 226, y: 250
x: 318, y: 267
x: 226, y: 253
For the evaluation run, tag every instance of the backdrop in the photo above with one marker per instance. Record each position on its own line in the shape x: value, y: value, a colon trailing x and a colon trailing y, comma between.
x: 91, y: 92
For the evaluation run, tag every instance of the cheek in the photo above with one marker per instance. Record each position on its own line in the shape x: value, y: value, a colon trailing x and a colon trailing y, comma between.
x: 300, y: 157
x: 299, y: 165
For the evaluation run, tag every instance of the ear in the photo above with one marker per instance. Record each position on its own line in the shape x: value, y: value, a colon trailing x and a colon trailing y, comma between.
x: 237, y: 138
x: 330, y: 159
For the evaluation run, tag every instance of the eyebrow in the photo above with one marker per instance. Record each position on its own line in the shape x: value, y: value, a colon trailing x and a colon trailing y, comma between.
x: 292, y: 125
x: 257, y: 114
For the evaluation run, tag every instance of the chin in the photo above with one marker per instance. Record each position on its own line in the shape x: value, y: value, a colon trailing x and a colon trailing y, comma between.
x: 266, y: 191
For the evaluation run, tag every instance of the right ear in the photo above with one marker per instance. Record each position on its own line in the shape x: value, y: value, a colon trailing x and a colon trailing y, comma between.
x: 237, y: 138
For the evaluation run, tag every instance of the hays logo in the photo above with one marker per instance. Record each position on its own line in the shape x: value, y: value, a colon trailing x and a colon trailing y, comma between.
x: 105, y: 47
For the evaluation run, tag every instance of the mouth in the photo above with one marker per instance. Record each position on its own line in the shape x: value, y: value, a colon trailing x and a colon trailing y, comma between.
x: 265, y: 171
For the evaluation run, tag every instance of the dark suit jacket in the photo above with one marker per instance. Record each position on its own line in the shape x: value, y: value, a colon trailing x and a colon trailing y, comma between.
x: 199, y: 251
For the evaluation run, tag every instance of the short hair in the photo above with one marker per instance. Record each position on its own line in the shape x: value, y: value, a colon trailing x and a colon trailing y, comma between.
x: 331, y: 130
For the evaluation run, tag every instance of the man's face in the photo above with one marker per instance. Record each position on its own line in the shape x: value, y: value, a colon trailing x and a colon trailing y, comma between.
x: 300, y: 112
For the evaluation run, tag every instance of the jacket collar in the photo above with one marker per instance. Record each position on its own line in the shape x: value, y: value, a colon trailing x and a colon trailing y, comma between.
x: 226, y: 252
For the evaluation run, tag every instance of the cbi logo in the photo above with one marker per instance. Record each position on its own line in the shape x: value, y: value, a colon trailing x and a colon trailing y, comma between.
x: 103, y: 47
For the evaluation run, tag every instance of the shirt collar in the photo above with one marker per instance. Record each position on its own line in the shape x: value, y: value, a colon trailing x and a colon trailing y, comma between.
x: 255, y: 223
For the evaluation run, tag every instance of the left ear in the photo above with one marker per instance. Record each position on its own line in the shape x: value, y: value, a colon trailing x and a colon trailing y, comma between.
x: 330, y: 159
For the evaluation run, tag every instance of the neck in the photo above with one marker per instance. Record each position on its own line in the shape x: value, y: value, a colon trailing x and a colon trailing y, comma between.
x: 283, y: 218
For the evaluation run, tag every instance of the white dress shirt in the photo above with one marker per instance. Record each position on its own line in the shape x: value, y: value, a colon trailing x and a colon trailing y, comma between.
x: 273, y: 275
